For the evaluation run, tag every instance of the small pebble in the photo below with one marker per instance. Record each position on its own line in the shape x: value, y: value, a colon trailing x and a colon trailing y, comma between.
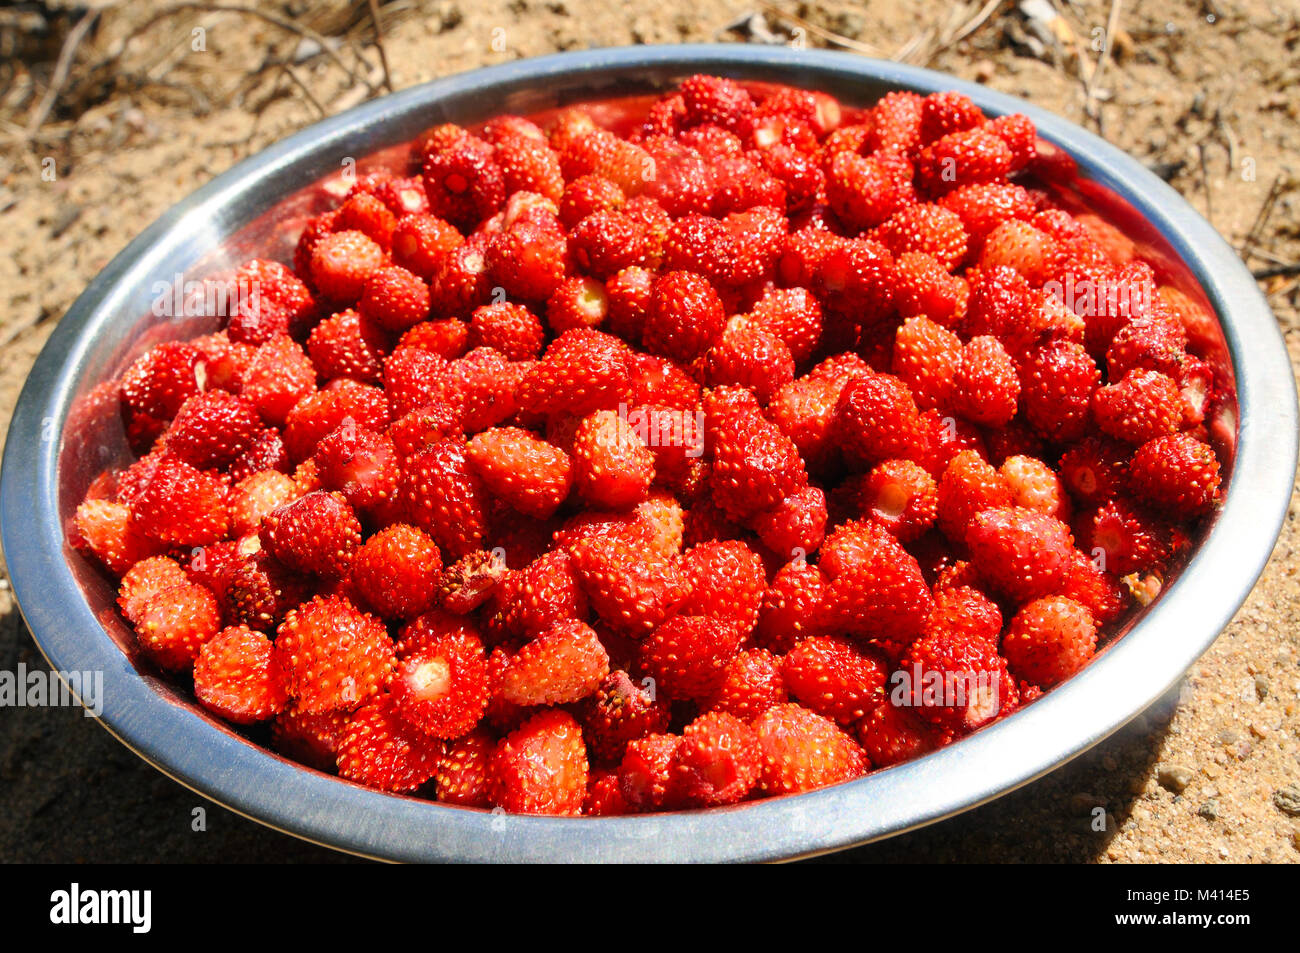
x: 1209, y: 810
x: 1261, y: 687
x: 1287, y: 800
x: 1175, y: 777
x: 1229, y: 736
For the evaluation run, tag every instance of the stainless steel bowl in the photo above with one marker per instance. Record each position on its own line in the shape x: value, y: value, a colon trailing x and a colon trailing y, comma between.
x: 66, y: 428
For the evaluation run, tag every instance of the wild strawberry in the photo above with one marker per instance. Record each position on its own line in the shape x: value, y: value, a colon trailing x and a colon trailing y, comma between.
x: 367, y: 214
x: 541, y: 766
x: 173, y: 624
x: 855, y: 278
x: 795, y: 525
x: 348, y: 345
x: 984, y: 206
x: 1035, y: 486
x: 279, y: 375
x: 158, y: 382
x: 224, y: 361
x: 633, y: 590
x: 211, y: 429
x: 714, y: 100
x: 802, y: 751
x: 396, y: 572
x: 755, y: 465
x: 181, y: 505
x: 527, y: 260
x: 647, y: 777
x: 260, y: 591
x: 1018, y: 245
x: 462, y: 282
x: 612, y: 467
x: 961, y: 609
x: 432, y: 628
x: 414, y: 378
x: 582, y: 371
x: 334, y: 656
x: 441, y: 687
x: 876, y: 419
x: 831, y: 677
x: 1176, y: 473
x: 316, y: 533
x: 564, y: 664
x: 528, y: 473
x: 686, y: 655
x: 1020, y: 135
x: 394, y: 299
x: 794, y: 316
x: 947, y: 112
x: 311, y: 739
x: 485, y: 383
x: 237, y: 676
x: 882, y: 595
x: 986, y: 386
x: 928, y: 229
x: 962, y: 158
x: 956, y: 682
x: 901, y: 496
x: 342, y: 262
x: 445, y: 498
x: 1049, y: 640
x: 1123, y: 538
x: 926, y: 358
x: 587, y: 195
x: 145, y: 580
x: 1155, y: 341
x: 1002, y: 303
x: 620, y: 711
x: 1140, y: 407
x: 718, y: 759
x: 577, y: 303
x: 275, y: 301
x: 320, y: 413
x: 1096, y: 590
x: 1057, y: 382
x: 1024, y: 554
x: 789, y: 605
x: 923, y: 288
x: 891, y: 734
x: 863, y: 191
x: 446, y: 337
x: 748, y: 356
x: 463, y: 183
x: 421, y: 243
x: 727, y: 582
x: 968, y: 485
x: 628, y: 301
x: 464, y: 775
x: 539, y: 596
x: 379, y: 749
x: 253, y: 497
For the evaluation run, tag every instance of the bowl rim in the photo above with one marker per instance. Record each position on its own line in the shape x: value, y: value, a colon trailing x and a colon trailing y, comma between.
x: 257, y: 784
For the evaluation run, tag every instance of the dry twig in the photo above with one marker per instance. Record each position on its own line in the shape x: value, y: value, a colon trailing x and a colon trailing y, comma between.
x: 61, y: 67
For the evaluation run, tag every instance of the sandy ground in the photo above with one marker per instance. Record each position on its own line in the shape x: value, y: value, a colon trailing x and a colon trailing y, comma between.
x: 1200, y: 91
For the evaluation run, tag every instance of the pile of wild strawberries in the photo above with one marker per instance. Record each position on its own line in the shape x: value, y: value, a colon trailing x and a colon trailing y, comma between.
x: 729, y: 450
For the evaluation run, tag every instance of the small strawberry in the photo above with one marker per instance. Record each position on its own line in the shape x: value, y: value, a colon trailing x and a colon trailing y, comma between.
x: 146, y: 579
x: 1140, y: 407
x: 745, y: 355
x: 566, y: 663
x: 175, y: 622
x: 396, y: 572
x: 629, y: 587
x: 380, y: 750
x: 441, y: 687
x: 891, y: 734
x: 718, y: 760
x: 583, y: 370
x: 955, y: 681
x: 524, y: 471
x: 445, y: 498
x: 310, y: 739
x: 876, y: 419
x: 237, y: 676
x: 342, y: 262
x: 463, y: 182
x: 727, y: 583
x: 181, y: 505
x: 279, y: 375
x: 1035, y: 486
x: 879, y: 593
x: 528, y: 260
x: 795, y: 525
x: 789, y: 606
x: 421, y: 243
x: 647, y: 777
x: 921, y: 287
x: 755, y: 465
x: 962, y: 158
x: 211, y: 429
x: 322, y: 412
x: 986, y: 387
x: 1049, y: 640
x: 928, y: 229
x: 687, y: 655
x: 612, y: 466
x: 255, y: 496
x: 260, y: 591
x: 159, y: 381
x: 1024, y: 554
x: 685, y: 316
x: 1177, y: 474
x: 334, y: 656
x: 316, y: 533
x: 802, y: 751
x: 901, y: 496
x: 541, y: 766
x: 1057, y: 381
x: 831, y: 677
x: 394, y: 299
x: 984, y: 206
x: 464, y: 775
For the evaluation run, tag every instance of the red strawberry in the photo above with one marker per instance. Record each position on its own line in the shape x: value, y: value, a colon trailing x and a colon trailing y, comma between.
x: 947, y: 112
x: 685, y: 316
x: 394, y: 299
x: 1025, y: 555
x: 441, y: 687
x: 923, y: 288
x: 802, y: 751
x: 316, y: 533
x: 334, y: 656
x: 631, y: 588
x: 863, y: 191
x: 1123, y: 538
x: 712, y: 99
x: 530, y: 165
x: 755, y: 465
x: 881, y: 595
x: 984, y: 206
x: 212, y: 429
x: 158, y: 382
x: 1020, y: 135
x: 1057, y: 381
x: 901, y: 496
x: 564, y: 664
x: 322, y: 412
x: 146, y: 579
x: 380, y: 750
x: 794, y: 316
x: 796, y: 525
x: 583, y: 370
x: 367, y: 214
x: 1177, y: 474
x: 928, y: 229
x: 586, y: 195
x: 359, y: 463
x: 342, y: 262
x: 751, y: 683
x: 528, y: 473
x: 174, y: 623
x: 604, y: 795
x: 612, y: 467
x: 470, y: 581
x: 891, y: 734
x: 962, y: 158
x: 311, y: 739
x: 272, y: 300
x: 260, y: 591
x: 577, y: 303
x: 237, y: 676
x: 414, y: 378
x: 1019, y: 245
x: 1002, y: 303
x: 789, y: 605
x: 747, y: 356
x: 987, y: 388
x: 463, y: 182
x: 253, y: 497
x: 421, y: 243
x: 464, y: 775
x: 718, y: 760
x: 876, y: 419
x: 417, y: 431
x: 1035, y: 486
x: 629, y: 296
x: 445, y: 498
x: 1140, y: 407
x: 541, y: 766
x: 528, y: 260
x: 1049, y: 640
x: 834, y: 679
x: 687, y: 655
x: 461, y: 282
x: 727, y: 583
x: 955, y: 681
x: 181, y: 505
x: 968, y: 486
x: 804, y: 411
x: 895, y: 122
x: 279, y: 376
x: 485, y: 383
x: 619, y: 711
x: 541, y: 595
x: 397, y: 570
x: 647, y: 777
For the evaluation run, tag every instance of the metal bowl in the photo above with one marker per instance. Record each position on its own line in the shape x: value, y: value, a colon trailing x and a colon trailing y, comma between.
x: 66, y: 429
